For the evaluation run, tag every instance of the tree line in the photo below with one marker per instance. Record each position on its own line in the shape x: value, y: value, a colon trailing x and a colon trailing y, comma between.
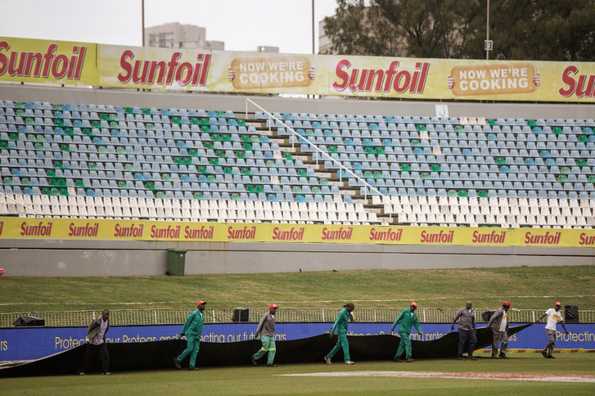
x: 520, y: 29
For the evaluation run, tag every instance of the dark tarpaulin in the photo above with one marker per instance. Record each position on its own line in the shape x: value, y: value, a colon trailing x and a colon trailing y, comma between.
x: 159, y: 354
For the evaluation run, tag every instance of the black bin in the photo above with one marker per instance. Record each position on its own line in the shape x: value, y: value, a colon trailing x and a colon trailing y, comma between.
x: 176, y: 263
x: 29, y: 321
x: 486, y: 315
x: 240, y: 315
x: 571, y: 313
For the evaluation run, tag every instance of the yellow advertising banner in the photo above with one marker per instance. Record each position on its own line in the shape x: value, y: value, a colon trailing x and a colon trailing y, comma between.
x: 71, y: 63
x: 12, y: 228
x: 48, y: 61
x: 157, y: 68
x: 329, y: 75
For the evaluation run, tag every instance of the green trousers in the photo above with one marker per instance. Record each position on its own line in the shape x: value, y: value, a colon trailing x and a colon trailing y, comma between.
x: 342, y: 343
x: 404, y: 346
x: 192, y: 347
x: 268, y: 347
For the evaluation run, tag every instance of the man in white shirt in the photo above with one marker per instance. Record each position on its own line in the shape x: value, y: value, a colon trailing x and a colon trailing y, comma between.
x: 554, y: 316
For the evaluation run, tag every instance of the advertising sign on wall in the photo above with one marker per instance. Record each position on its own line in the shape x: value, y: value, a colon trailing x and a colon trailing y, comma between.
x: 43, y: 61
x: 141, y: 230
x: 327, y: 75
x: 33, y: 343
x: 53, y: 62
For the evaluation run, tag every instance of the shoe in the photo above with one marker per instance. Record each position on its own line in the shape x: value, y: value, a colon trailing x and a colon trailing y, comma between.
x: 107, y: 373
x: 410, y: 360
x: 192, y: 368
x: 82, y: 373
x: 460, y: 357
x: 550, y: 357
x: 327, y: 360
x: 544, y: 354
x: 177, y: 364
x: 254, y: 362
x: 271, y: 365
x: 397, y: 360
x: 503, y: 356
x: 472, y: 358
x: 349, y: 362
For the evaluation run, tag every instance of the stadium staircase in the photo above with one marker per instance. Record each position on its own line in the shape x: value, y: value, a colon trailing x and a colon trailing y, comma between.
x: 315, y: 159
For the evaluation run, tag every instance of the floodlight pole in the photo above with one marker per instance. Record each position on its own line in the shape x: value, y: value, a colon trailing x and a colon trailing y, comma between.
x: 313, y: 31
x: 487, y: 45
x: 313, y: 36
x: 142, y: 22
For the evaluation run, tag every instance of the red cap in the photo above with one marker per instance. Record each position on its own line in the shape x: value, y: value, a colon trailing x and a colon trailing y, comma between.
x: 507, y: 303
x: 557, y: 303
x: 275, y: 306
x: 413, y: 304
x: 200, y: 302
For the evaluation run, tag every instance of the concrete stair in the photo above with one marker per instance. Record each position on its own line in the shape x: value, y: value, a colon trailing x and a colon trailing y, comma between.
x: 308, y: 159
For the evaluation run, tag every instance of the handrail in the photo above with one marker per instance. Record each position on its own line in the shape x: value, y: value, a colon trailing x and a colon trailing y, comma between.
x: 324, y: 153
x: 160, y: 316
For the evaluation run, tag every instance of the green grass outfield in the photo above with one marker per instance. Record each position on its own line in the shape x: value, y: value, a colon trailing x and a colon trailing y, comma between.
x: 527, y: 287
x: 267, y: 381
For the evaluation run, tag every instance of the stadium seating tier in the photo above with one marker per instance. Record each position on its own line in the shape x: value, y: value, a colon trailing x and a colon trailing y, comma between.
x: 197, y: 165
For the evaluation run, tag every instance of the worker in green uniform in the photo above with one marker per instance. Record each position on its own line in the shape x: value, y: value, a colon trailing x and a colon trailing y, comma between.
x: 192, y: 331
x: 406, y: 320
x: 265, y: 332
x: 344, y: 316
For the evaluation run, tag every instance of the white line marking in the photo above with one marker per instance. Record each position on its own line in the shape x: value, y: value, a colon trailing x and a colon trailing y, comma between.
x: 445, y: 375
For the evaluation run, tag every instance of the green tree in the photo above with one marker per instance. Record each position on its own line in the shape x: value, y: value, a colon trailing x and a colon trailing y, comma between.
x: 521, y: 29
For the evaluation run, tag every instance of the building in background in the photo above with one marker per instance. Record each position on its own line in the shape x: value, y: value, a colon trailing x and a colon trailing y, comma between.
x: 215, y: 45
x: 267, y: 48
x: 177, y: 35
x: 324, y: 44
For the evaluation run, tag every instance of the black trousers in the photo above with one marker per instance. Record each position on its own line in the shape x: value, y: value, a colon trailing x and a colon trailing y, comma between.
x: 92, y: 353
x: 467, y: 341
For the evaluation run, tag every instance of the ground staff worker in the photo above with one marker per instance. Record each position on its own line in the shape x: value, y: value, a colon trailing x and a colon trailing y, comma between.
x: 499, y: 325
x: 344, y: 316
x: 192, y: 331
x: 97, y: 343
x: 406, y: 320
x: 266, y: 333
x: 554, y: 316
x: 465, y: 319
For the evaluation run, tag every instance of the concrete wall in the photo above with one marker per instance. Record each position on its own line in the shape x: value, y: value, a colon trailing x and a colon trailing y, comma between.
x: 321, y: 259
x: 274, y: 103
x: 88, y: 258
x: 73, y: 262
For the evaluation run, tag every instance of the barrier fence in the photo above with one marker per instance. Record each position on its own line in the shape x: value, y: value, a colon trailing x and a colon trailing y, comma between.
x: 178, y: 316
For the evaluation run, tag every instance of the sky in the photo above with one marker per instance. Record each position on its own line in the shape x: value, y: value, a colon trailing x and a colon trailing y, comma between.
x: 242, y: 24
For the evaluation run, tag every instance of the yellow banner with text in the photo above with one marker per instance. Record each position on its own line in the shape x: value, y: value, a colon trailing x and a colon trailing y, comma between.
x: 48, y: 61
x: 71, y: 63
x: 330, y: 75
x: 12, y: 228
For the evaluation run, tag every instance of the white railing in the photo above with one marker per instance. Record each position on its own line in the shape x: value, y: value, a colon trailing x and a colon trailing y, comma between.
x: 316, y: 148
x: 224, y: 315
